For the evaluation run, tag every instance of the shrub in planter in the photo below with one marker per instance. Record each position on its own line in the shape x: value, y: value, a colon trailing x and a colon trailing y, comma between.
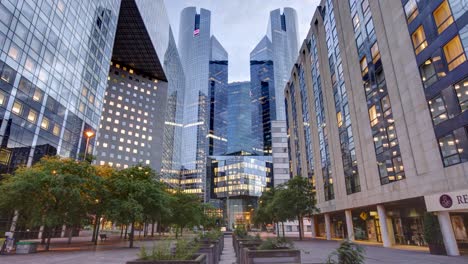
x: 347, y: 253
x: 166, y: 251
x: 276, y: 243
x: 433, y: 235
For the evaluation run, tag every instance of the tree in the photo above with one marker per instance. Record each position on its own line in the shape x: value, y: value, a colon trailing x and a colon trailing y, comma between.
x: 298, y: 200
x: 187, y: 211
x: 51, y: 193
x: 134, y: 194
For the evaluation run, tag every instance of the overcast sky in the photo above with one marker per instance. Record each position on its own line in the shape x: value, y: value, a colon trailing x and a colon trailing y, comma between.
x: 240, y: 24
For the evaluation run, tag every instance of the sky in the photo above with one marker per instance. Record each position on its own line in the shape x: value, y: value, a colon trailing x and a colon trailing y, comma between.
x: 240, y: 24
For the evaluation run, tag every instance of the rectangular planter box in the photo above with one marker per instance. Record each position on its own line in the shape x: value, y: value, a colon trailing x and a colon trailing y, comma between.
x: 243, y: 245
x: 210, y: 251
x: 200, y: 259
x: 26, y: 247
x: 290, y: 256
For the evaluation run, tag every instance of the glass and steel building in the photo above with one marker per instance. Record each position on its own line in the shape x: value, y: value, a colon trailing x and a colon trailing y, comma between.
x: 262, y: 93
x: 217, y: 135
x: 54, y: 60
x: 239, y: 118
x: 239, y: 181
x: 279, y: 48
x: 386, y: 84
x: 139, y: 122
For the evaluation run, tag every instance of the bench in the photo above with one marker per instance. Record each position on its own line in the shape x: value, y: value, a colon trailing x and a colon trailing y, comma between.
x: 103, y: 237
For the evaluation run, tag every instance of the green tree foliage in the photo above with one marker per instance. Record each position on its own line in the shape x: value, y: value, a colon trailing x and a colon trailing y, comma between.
x: 187, y: 211
x: 347, y: 253
x: 135, y: 195
x: 293, y: 200
x: 51, y: 193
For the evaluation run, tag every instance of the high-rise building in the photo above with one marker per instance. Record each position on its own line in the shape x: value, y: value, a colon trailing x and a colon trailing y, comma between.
x: 54, y: 60
x: 262, y: 95
x: 218, y: 81
x: 140, y: 116
x: 280, y: 46
x: 376, y: 113
x: 239, y: 118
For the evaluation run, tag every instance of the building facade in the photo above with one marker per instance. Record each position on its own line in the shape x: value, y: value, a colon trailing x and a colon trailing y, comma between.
x: 54, y: 59
x: 392, y: 73
x: 140, y: 114
x: 217, y: 135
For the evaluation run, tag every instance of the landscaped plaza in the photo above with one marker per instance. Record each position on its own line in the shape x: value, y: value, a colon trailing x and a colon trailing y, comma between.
x: 221, y: 131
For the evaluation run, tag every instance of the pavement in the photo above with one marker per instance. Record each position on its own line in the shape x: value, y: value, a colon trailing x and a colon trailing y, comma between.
x: 116, y: 251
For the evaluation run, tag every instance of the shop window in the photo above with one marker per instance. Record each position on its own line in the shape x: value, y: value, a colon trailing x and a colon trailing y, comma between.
x: 443, y: 17
x: 419, y: 40
x: 364, y: 68
x: 428, y: 73
x: 373, y: 116
x: 461, y: 89
x: 411, y: 10
x: 449, y: 150
x: 438, y: 110
x: 375, y: 52
x: 454, y: 53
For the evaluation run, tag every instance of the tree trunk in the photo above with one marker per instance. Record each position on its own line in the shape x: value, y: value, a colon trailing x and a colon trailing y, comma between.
x: 152, y: 230
x: 126, y: 231
x: 49, y: 237
x: 97, y: 230
x: 132, y: 230
x: 70, y: 235
x: 94, y: 228
x: 299, y: 219
x: 121, y: 231
x: 282, y: 224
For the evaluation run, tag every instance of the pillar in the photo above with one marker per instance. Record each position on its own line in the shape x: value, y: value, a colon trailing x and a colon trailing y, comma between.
x: 312, y: 227
x: 349, y: 225
x: 447, y: 232
x: 383, y: 226
x: 327, y: 226
x: 41, y: 230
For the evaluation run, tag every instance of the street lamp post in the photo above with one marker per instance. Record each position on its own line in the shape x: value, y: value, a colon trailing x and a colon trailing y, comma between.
x: 89, y: 134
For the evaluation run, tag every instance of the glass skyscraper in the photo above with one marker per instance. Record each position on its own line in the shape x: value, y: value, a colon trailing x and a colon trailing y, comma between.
x: 217, y: 135
x: 53, y: 74
x: 239, y: 118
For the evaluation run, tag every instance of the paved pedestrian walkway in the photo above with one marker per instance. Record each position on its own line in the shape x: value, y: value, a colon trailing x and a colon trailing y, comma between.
x: 228, y: 256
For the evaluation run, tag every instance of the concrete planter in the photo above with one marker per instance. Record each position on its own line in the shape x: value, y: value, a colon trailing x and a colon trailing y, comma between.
x: 26, y: 247
x: 284, y: 256
x: 243, y: 245
x: 198, y: 259
x: 218, y: 246
x: 210, y: 251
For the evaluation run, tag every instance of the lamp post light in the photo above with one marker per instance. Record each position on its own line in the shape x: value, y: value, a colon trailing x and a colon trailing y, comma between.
x: 88, y: 134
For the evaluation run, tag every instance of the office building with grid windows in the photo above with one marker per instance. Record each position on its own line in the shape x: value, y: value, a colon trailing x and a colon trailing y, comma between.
x: 376, y: 114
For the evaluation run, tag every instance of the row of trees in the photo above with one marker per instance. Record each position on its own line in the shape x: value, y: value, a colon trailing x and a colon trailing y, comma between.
x: 293, y: 200
x: 56, y: 192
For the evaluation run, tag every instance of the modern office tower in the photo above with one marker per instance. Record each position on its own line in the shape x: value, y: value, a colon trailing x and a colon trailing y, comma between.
x: 54, y: 60
x: 384, y: 118
x: 263, y: 94
x: 218, y: 81
x: 239, y: 119
x: 195, y: 52
x: 238, y: 181
x: 172, y: 141
x: 280, y: 46
x: 134, y: 115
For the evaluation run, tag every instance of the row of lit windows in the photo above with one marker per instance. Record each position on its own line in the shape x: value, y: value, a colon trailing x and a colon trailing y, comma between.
x: 32, y: 115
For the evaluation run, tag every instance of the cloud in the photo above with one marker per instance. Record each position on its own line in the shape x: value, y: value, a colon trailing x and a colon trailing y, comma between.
x: 240, y: 24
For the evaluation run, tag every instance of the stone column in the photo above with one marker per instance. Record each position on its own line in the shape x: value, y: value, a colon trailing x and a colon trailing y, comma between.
x: 383, y: 226
x: 312, y: 225
x: 349, y: 225
x: 327, y: 226
x: 447, y: 232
